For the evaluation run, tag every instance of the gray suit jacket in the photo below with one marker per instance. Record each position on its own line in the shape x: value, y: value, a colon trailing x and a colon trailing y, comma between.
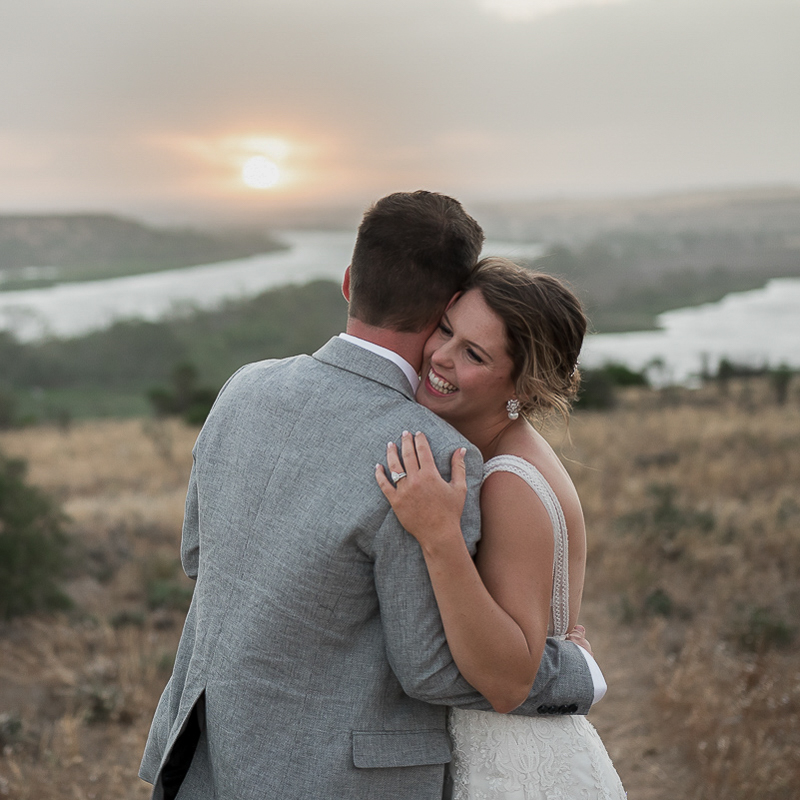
x: 313, y: 641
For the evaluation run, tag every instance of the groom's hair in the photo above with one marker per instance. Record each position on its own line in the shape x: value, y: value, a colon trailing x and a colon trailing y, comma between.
x: 413, y: 252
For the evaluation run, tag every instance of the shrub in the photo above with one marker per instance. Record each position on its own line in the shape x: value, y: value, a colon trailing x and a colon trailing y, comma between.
x: 658, y: 603
x: 599, y: 386
x: 8, y: 408
x: 597, y: 390
x: 163, y: 585
x: 661, y: 523
x: 759, y: 629
x: 184, y: 398
x: 32, y: 545
x: 620, y: 375
x: 780, y: 379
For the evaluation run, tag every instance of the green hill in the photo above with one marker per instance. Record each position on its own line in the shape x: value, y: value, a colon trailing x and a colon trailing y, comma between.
x: 109, y: 372
x: 38, y: 250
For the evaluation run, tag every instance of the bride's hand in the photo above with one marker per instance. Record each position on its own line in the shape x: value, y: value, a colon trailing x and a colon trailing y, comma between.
x: 578, y: 636
x: 426, y: 505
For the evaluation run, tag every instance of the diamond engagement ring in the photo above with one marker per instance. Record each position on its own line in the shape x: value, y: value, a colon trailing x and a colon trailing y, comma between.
x: 397, y: 475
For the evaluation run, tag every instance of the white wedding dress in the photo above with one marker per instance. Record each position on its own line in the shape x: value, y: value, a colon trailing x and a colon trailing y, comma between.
x: 507, y: 757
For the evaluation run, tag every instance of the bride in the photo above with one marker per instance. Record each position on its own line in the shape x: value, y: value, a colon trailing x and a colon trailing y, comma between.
x: 505, y: 352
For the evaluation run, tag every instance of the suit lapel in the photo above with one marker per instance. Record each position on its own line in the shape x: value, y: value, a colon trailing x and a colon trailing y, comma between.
x: 352, y: 358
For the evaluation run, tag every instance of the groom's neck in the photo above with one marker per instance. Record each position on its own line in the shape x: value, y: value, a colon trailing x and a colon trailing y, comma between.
x: 407, y: 345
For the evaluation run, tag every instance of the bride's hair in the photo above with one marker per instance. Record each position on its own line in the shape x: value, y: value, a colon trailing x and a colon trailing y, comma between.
x: 545, y: 325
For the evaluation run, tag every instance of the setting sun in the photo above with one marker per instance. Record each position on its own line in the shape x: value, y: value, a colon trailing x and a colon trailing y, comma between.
x: 259, y: 172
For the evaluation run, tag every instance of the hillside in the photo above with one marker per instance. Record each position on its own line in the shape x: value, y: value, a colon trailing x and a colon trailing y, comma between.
x: 691, y: 600
x: 633, y: 258
x: 630, y: 259
x: 38, y: 250
x: 109, y: 372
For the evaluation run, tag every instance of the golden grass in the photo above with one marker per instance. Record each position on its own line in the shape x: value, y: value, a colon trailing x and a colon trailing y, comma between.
x: 704, y: 677
x: 77, y: 691
x: 724, y: 555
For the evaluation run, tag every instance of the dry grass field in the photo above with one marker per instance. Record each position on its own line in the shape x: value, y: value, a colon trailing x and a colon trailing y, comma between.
x: 691, y: 603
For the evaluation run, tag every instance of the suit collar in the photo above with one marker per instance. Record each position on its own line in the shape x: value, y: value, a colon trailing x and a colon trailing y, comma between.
x: 395, y: 358
x: 352, y: 358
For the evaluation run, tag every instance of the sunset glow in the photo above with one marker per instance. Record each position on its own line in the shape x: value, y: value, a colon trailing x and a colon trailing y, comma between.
x: 530, y: 9
x: 577, y: 98
x: 259, y: 172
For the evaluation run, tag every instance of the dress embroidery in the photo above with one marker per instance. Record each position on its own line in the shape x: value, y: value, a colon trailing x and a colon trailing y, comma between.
x: 506, y: 757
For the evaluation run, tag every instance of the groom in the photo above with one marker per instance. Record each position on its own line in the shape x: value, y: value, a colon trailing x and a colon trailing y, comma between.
x: 313, y: 664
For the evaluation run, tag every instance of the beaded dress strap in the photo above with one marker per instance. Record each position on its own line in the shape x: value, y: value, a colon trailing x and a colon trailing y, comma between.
x: 525, y: 470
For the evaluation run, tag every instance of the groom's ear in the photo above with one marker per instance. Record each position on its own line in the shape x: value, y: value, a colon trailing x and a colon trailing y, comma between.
x: 346, y: 284
x: 452, y: 300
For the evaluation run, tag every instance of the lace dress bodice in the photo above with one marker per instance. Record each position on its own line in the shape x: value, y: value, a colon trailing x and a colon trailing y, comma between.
x: 508, y: 757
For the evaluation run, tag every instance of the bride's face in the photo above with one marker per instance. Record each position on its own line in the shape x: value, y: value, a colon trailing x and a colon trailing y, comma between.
x: 466, y: 368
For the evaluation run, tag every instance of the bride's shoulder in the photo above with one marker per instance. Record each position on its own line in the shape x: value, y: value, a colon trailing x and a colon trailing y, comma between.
x: 528, y: 445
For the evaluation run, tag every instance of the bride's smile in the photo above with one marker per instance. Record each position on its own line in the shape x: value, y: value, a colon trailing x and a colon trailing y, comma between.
x: 466, y: 365
x: 439, y: 384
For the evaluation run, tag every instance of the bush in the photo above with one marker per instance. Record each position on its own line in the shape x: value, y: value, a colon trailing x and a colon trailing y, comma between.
x: 32, y: 545
x: 780, y: 379
x: 8, y: 409
x: 759, y: 629
x: 163, y: 585
x: 659, y: 526
x: 599, y: 386
x: 620, y: 375
x: 185, y: 398
x: 597, y: 390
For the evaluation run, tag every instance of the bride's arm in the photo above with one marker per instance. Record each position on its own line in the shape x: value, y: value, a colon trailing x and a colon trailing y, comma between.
x: 495, y: 610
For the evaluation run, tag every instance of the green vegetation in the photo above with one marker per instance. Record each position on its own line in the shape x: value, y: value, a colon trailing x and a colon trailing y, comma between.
x: 634, y: 258
x: 111, y: 372
x: 32, y: 545
x: 758, y: 629
x: 184, y: 398
x: 163, y: 585
x: 38, y: 250
x: 629, y: 261
x: 661, y: 525
x: 599, y: 386
x: 627, y: 278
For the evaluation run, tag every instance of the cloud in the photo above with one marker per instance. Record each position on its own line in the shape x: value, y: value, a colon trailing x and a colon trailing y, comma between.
x: 138, y: 103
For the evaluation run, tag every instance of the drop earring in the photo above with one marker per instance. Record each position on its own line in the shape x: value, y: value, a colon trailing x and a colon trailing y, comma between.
x: 512, y: 407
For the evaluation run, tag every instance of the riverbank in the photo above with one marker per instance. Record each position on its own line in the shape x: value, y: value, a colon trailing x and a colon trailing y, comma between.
x: 42, y: 250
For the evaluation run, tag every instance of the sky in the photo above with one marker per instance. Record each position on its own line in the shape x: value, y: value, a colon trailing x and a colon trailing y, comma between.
x: 153, y: 108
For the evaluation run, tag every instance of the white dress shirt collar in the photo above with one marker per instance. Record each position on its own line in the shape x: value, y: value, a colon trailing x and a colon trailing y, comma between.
x: 408, y: 370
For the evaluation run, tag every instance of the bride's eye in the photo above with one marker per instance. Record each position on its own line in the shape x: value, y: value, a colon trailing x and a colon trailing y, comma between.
x: 444, y: 329
x: 474, y: 356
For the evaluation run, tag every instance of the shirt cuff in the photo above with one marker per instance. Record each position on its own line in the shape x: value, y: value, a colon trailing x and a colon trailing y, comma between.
x: 600, y: 685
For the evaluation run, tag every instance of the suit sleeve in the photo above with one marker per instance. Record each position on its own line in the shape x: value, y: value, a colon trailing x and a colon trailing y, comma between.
x: 415, y: 641
x: 190, y: 535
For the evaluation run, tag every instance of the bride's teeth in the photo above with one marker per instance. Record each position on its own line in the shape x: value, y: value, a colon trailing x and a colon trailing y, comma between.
x: 440, y: 384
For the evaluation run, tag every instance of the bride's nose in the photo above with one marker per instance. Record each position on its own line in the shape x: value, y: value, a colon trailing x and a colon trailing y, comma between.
x: 441, y: 356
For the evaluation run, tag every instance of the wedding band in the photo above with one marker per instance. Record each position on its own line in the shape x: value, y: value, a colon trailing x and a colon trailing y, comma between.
x: 397, y: 475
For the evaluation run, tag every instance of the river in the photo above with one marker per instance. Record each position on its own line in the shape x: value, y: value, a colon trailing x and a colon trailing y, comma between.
x: 756, y: 327
x: 72, y: 309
